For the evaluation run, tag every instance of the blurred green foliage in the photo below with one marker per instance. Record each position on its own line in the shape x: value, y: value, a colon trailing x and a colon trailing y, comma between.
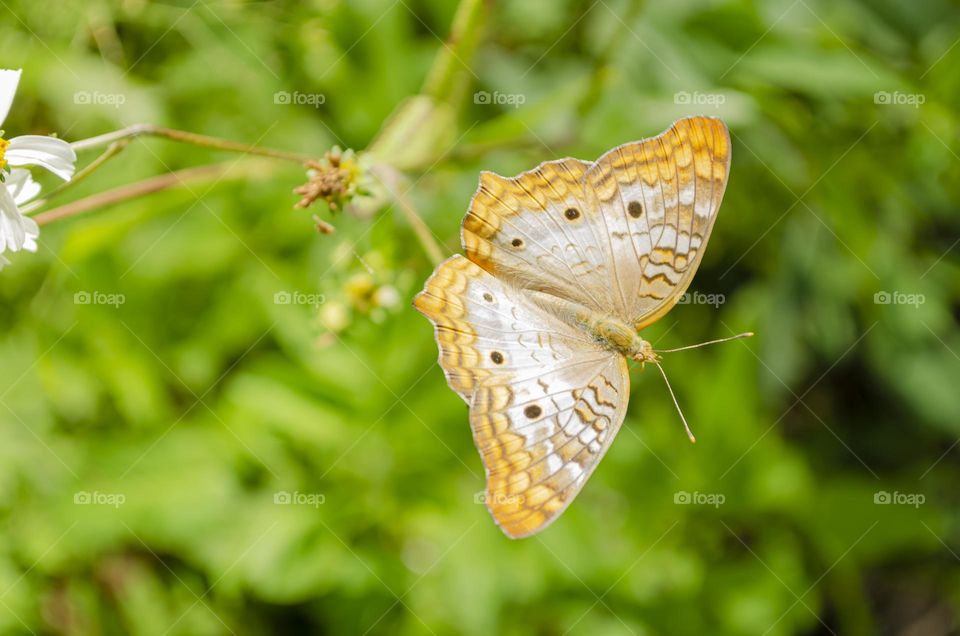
x: 179, y: 415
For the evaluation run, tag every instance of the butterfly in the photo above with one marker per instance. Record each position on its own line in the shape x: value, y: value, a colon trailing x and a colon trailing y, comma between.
x: 564, y: 265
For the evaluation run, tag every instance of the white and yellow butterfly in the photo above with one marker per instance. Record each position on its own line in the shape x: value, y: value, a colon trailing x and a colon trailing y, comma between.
x: 564, y: 265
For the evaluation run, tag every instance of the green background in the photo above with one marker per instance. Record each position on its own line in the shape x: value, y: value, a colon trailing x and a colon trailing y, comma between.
x: 199, y: 398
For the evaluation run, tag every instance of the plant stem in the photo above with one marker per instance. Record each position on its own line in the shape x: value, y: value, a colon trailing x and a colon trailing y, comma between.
x: 111, y: 151
x: 131, y: 191
x: 601, y: 73
x: 116, y: 141
x: 206, y: 141
x: 421, y: 229
x: 390, y: 178
x: 448, y: 77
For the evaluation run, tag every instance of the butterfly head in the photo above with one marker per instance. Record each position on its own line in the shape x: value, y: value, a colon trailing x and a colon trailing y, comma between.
x: 643, y: 352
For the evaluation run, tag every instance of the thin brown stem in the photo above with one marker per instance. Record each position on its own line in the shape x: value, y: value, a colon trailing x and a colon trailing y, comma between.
x: 206, y: 141
x: 132, y: 191
x: 391, y: 179
x: 421, y: 229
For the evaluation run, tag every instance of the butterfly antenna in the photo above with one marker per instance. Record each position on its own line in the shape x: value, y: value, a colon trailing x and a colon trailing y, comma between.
x: 693, y: 440
x: 704, y: 344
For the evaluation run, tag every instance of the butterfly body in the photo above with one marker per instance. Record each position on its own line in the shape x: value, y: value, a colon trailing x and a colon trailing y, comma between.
x: 564, y: 265
x: 613, y: 334
x: 607, y: 330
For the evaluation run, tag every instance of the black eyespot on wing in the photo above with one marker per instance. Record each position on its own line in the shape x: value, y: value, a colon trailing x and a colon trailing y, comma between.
x: 517, y: 242
x: 572, y: 213
x: 533, y: 411
x: 488, y: 297
x: 497, y: 357
x: 635, y: 209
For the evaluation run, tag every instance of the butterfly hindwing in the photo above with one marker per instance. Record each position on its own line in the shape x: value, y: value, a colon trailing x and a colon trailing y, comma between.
x: 484, y: 325
x: 545, y: 400
x: 542, y: 436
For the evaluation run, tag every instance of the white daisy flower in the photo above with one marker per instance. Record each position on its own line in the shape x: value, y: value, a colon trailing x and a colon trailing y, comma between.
x: 18, y: 232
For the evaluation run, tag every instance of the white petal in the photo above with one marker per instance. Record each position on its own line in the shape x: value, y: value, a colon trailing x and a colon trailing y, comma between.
x: 21, y: 185
x: 32, y: 234
x: 51, y: 153
x: 3, y: 262
x: 8, y: 88
x: 13, y: 231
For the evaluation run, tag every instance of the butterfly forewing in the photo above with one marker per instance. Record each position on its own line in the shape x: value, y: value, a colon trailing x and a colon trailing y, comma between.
x: 659, y: 199
x: 533, y: 231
